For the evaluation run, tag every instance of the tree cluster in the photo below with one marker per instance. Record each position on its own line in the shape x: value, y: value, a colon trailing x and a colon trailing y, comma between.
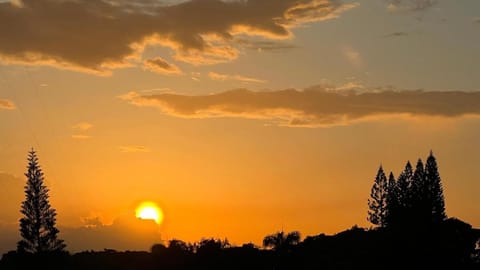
x: 414, y: 199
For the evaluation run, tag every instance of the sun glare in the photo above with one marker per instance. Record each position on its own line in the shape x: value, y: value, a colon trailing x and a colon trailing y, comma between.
x: 149, y: 211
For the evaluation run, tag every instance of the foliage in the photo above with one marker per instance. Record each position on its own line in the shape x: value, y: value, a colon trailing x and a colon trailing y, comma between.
x: 281, y: 241
x: 433, y: 180
x: 415, y: 199
x: 377, y: 204
x: 37, y: 226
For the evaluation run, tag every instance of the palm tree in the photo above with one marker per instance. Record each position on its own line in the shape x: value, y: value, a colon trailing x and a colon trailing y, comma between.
x: 281, y: 241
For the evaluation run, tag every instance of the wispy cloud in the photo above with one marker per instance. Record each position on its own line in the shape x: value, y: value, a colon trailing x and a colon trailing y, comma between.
x: 133, y: 148
x: 396, y: 34
x: 81, y: 136
x: 410, y: 5
x: 313, y: 107
x: 265, y: 45
x: 82, y: 126
x: 225, y: 77
x: 6, y: 104
x: 114, y: 34
x: 353, y: 56
x: 159, y: 65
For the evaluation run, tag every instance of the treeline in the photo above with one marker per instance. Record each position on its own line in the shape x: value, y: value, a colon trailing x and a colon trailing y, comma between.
x: 412, y: 231
x: 450, y: 246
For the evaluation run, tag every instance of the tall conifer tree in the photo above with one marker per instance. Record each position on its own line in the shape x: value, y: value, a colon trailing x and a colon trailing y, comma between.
x: 377, y: 203
x: 37, y: 227
x: 392, y: 201
x: 434, y: 182
x: 420, y: 196
x: 404, y: 184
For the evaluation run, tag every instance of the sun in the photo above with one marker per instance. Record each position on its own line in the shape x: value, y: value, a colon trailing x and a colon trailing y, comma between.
x: 149, y: 211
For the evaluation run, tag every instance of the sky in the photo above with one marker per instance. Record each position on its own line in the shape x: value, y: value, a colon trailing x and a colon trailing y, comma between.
x: 238, y: 118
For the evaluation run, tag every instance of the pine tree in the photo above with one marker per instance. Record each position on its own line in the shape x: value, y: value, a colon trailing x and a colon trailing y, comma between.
x: 435, y: 190
x: 392, y: 207
x: 404, y: 197
x: 377, y: 203
x: 420, y: 196
x: 404, y: 184
x: 418, y: 187
x: 37, y: 227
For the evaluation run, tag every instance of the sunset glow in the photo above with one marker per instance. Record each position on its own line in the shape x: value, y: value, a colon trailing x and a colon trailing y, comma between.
x: 189, y: 119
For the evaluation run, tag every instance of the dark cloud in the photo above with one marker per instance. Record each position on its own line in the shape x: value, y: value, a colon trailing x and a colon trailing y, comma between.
x: 410, y: 5
x: 159, y: 65
x: 315, y: 106
x: 125, y: 233
x: 96, y: 35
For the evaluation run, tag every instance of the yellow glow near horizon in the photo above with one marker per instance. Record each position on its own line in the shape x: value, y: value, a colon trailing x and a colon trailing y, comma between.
x: 149, y: 211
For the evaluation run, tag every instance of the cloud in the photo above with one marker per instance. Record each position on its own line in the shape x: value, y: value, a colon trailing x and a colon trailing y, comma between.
x: 352, y: 55
x: 133, y: 149
x: 82, y: 126
x: 264, y: 45
x: 396, y: 34
x: 90, y: 222
x: 81, y: 136
x: 315, y: 106
x: 97, y: 36
x: 17, y: 3
x: 159, y: 65
x: 410, y: 5
x: 225, y: 77
x: 125, y: 233
x: 6, y: 104
x: 476, y: 20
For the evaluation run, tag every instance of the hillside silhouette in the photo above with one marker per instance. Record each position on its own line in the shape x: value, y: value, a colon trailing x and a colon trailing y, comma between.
x: 410, y: 231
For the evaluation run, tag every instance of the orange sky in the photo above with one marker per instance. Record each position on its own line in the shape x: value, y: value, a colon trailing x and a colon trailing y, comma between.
x: 239, y: 118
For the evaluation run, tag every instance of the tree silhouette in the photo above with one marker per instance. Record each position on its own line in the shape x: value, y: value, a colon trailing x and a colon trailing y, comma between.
x: 37, y: 227
x: 420, y: 196
x: 418, y: 187
x: 281, y: 241
x: 392, y: 201
x: 414, y: 200
x: 403, y: 195
x: 404, y: 183
x: 377, y: 203
x: 435, y: 189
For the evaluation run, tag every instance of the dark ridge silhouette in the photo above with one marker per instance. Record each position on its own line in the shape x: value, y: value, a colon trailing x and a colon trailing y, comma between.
x: 412, y: 232
x: 451, y: 245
